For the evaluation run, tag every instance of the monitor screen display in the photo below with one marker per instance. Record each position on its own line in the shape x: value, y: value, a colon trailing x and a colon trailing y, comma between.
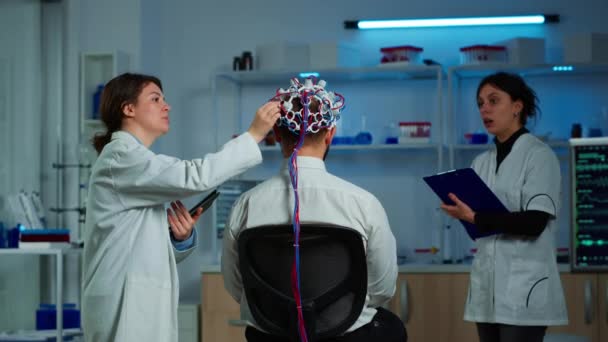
x: 589, y: 180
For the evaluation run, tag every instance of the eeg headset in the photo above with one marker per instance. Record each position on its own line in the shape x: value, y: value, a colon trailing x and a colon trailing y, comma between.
x: 301, y: 123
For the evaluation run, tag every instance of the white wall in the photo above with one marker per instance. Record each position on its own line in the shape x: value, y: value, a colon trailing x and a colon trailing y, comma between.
x: 20, y: 41
x: 20, y: 113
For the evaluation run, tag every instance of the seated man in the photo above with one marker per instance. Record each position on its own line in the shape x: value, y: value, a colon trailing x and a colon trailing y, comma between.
x: 323, y: 197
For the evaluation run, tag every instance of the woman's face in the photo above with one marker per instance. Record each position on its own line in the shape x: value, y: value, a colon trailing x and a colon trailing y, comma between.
x: 151, y: 112
x: 500, y: 114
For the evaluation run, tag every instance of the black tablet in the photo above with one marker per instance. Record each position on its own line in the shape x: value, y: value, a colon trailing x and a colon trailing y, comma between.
x: 205, y: 203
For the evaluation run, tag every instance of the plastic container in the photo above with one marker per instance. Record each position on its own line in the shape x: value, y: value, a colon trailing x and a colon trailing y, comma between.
x: 476, y: 138
x: 363, y: 138
x: 12, y: 238
x: 414, y: 131
x: 46, y: 317
x: 247, y: 61
x: 236, y: 63
x: 483, y: 54
x: 96, y: 101
x: 392, y: 134
x: 343, y: 140
x: 404, y: 54
x: 2, y: 235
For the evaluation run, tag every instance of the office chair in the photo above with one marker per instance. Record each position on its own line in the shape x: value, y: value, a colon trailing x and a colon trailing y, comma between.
x: 333, y: 278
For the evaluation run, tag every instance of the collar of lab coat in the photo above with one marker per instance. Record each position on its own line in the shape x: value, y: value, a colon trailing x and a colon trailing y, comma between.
x: 304, y: 162
x: 125, y: 134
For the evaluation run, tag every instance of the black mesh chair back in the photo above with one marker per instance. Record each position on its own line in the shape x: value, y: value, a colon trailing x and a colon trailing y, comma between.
x: 333, y: 278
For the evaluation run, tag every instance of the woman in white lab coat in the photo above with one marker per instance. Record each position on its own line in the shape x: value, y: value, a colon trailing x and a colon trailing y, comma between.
x: 130, y: 282
x: 515, y: 290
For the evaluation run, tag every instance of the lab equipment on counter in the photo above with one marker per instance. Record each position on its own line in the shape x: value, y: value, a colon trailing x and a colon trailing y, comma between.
x: 470, y: 189
x: 426, y: 255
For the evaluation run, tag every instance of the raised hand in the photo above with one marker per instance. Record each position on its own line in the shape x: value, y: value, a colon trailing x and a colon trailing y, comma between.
x: 265, y: 117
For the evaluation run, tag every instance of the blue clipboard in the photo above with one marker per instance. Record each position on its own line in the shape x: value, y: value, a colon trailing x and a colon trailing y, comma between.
x: 469, y: 188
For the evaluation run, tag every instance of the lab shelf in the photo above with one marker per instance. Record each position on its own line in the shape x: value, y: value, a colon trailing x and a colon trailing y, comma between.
x: 363, y: 148
x: 379, y: 73
x: 394, y: 86
x: 481, y: 147
x: 456, y: 74
x: 58, y: 253
x: 557, y: 70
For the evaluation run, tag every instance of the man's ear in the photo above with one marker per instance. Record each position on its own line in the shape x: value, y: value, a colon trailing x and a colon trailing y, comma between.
x: 329, y: 135
x: 277, y: 135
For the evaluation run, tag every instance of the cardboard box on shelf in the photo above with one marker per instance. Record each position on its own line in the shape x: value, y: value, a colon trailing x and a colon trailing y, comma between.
x: 524, y: 50
x: 586, y: 48
x: 282, y: 56
x: 334, y: 55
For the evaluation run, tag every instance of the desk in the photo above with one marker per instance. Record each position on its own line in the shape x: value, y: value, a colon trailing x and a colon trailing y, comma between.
x: 58, y: 253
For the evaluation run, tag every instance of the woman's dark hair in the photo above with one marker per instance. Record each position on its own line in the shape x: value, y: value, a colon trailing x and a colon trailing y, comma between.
x: 119, y: 92
x: 516, y: 87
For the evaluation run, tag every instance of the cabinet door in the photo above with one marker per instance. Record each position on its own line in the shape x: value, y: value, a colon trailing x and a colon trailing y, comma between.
x: 603, y: 306
x: 219, y: 312
x: 582, y: 302
x: 432, y: 307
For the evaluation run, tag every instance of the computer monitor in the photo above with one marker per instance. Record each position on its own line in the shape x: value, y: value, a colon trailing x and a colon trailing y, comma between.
x: 589, y: 191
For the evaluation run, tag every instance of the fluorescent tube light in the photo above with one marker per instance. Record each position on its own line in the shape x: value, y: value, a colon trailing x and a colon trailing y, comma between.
x: 447, y: 22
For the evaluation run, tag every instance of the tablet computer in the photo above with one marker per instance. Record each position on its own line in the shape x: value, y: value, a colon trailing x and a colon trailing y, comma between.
x: 469, y: 188
x: 205, y: 203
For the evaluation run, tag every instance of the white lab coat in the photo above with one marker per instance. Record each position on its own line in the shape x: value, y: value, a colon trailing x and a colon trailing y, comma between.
x: 130, y: 282
x: 514, y: 279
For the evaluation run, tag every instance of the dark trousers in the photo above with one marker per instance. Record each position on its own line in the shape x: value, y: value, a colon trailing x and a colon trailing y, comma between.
x: 496, y: 332
x: 384, y: 327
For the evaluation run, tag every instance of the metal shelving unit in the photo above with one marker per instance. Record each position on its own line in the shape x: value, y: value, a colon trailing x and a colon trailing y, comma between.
x: 358, y: 75
x: 240, y: 84
x: 477, y: 71
x: 58, y: 253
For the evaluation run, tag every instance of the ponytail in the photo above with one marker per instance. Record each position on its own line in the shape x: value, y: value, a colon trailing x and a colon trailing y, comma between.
x: 100, y: 140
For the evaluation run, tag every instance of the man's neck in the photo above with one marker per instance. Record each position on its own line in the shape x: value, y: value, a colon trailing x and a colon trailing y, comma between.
x: 314, y: 151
